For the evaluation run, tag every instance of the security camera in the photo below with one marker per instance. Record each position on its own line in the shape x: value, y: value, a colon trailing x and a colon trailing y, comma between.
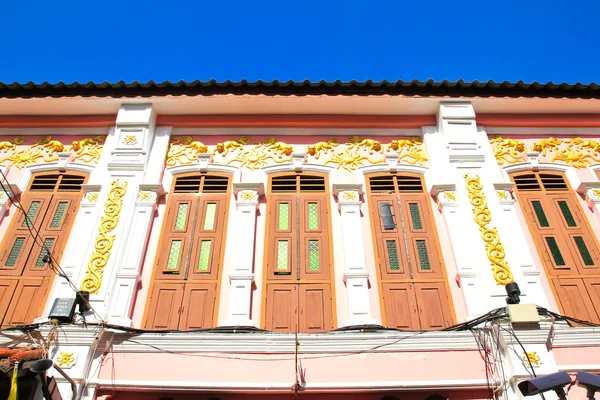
x: 589, y: 381
x: 513, y: 292
x: 546, y: 383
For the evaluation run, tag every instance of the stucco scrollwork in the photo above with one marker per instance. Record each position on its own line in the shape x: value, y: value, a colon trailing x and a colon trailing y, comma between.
x: 575, y: 152
x: 104, y: 241
x: 483, y: 217
x: 410, y: 151
x: 231, y: 145
x: 316, y: 149
x: 88, y: 149
x: 262, y: 154
x: 184, y: 151
x: 44, y: 149
x: 508, y: 150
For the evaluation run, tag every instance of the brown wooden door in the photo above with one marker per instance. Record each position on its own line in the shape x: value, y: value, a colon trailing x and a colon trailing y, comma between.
x: 198, y: 306
x: 413, y: 282
x: 433, y: 304
x: 401, y: 310
x: 314, y: 241
x: 283, y: 246
x: 27, y: 301
x: 575, y: 300
x: 282, y: 307
x: 165, y: 306
x: 315, y: 307
x: 7, y: 290
x: 206, y: 250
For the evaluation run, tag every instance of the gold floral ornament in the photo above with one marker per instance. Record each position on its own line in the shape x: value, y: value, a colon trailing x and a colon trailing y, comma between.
x: 231, y: 145
x: 143, y: 196
x: 247, y: 195
x: 350, y: 196
x: 483, y: 217
x: 507, y: 150
x: 450, y: 196
x: 66, y: 359
x: 410, y: 151
x: 45, y: 149
x: 88, y: 149
x: 501, y: 194
x: 92, y: 197
x: 531, y: 357
x: 130, y: 140
x: 184, y: 150
x: 578, y: 153
x: 104, y: 241
x: 596, y: 192
x: 316, y: 149
x: 262, y: 154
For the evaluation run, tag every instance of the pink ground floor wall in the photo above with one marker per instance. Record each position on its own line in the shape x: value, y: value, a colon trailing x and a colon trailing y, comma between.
x: 391, y: 395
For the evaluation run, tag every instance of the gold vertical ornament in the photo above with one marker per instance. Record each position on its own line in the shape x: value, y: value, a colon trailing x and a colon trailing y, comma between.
x: 483, y: 217
x: 104, y: 242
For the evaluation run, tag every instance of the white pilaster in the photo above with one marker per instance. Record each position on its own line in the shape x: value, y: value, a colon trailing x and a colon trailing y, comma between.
x: 5, y: 203
x: 241, y: 275
x: 355, y: 274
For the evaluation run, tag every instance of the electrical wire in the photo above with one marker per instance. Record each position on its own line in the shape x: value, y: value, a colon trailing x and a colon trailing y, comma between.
x: 53, y: 264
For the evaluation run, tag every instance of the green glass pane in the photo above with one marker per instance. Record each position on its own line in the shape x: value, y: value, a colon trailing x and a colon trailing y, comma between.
x: 392, y: 252
x: 313, y: 216
x: 313, y: 255
x: 47, y: 246
x: 59, y: 214
x: 558, y: 258
x: 14, y: 252
x: 182, y: 212
x: 174, y: 254
x: 32, y: 212
x: 423, y: 256
x: 204, y: 255
x: 564, y: 207
x: 282, y: 255
x: 415, y: 215
x: 583, y: 250
x: 284, y: 217
x: 209, y: 218
x: 539, y: 212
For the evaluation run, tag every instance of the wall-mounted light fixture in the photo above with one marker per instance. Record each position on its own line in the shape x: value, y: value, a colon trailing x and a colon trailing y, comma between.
x: 387, y: 217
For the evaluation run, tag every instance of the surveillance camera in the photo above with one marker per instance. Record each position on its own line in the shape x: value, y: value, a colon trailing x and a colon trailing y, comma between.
x: 545, y: 383
x: 589, y: 381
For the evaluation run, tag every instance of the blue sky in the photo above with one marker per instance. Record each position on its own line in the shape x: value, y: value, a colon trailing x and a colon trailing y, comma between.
x: 171, y: 40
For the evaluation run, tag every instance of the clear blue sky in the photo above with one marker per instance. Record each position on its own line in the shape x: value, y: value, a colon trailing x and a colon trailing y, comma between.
x: 112, y: 40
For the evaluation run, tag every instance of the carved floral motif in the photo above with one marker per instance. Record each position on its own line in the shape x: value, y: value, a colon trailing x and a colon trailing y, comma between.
x: 483, y: 217
x: 92, y: 197
x: 578, y: 153
x: 261, y: 154
x: 144, y: 195
x: 501, y: 194
x: 66, y: 360
x: 450, y: 196
x: 184, y: 150
x: 88, y: 149
x: 351, y: 196
x: 104, y: 241
x: 531, y: 357
x: 130, y: 140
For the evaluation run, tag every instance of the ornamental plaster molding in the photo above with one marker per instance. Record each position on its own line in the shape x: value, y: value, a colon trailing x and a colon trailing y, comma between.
x: 248, y: 193
x: 530, y: 166
x: 290, y: 167
x: 590, y: 191
x: 379, y: 168
x: 29, y: 170
x: 445, y: 194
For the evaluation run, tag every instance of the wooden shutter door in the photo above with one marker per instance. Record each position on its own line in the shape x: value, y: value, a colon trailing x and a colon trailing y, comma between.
x: 420, y: 234
x: 393, y: 261
x: 315, y: 307
x: 198, y: 306
x: 208, y: 232
x: 314, y: 243
x: 27, y: 301
x: 281, y: 307
x: 283, y: 238
x: 7, y: 289
x: 581, y: 242
x: 19, y: 241
x: 433, y: 304
x: 575, y: 300
x: 400, y: 306
x: 593, y: 289
x: 165, y: 306
x: 546, y: 230
x: 173, y: 255
x: 53, y: 232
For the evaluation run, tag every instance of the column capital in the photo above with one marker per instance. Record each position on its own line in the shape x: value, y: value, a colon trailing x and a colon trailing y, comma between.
x: 504, y: 192
x: 248, y: 192
x: 13, y: 190
x: 445, y: 193
x: 590, y: 191
x: 148, y: 194
x: 348, y: 193
x: 92, y: 193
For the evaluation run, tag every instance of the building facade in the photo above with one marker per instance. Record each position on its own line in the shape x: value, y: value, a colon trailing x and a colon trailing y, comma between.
x: 299, y: 240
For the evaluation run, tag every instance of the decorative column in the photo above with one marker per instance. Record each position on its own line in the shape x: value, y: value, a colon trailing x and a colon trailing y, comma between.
x: 241, y: 276
x: 5, y: 204
x: 355, y: 275
x: 125, y: 156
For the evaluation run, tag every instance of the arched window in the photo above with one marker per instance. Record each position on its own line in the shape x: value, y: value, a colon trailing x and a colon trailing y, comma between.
x: 51, y: 202
x: 412, y: 280
x: 189, y: 256
x: 298, y: 283
x: 563, y: 240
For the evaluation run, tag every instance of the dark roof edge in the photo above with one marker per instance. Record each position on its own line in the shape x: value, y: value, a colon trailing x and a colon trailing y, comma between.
x: 290, y: 88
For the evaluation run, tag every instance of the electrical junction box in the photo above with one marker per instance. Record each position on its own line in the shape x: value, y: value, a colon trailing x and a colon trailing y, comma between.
x: 523, y: 314
x: 63, y: 309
